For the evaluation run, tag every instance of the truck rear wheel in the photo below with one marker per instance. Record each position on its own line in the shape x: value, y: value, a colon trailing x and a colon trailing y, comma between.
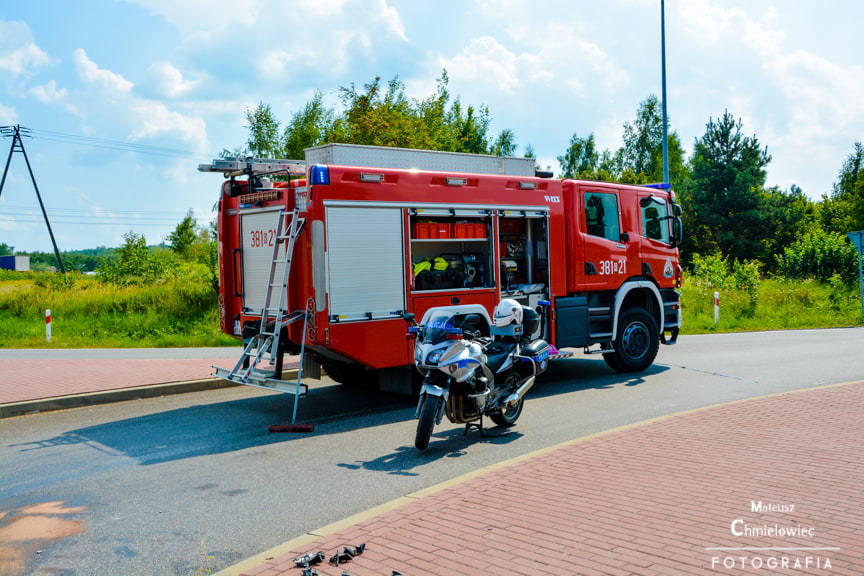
x: 636, y: 343
x: 349, y: 374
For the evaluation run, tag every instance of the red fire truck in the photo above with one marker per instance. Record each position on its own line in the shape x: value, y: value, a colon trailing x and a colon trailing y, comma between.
x: 326, y: 265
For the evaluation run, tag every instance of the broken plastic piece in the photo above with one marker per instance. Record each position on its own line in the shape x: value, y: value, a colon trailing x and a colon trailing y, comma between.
x: 348, y: 553
x: 309, y: 559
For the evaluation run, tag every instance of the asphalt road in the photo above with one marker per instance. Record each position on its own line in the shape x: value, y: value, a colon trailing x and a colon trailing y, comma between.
x: 185, y: 484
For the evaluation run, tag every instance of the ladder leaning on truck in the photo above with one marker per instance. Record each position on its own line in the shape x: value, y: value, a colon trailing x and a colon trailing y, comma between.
x: 326, y: 264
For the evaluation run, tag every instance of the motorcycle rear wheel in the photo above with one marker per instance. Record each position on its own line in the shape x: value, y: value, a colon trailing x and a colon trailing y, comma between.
x: 426, y: 422
x: 508, y: 415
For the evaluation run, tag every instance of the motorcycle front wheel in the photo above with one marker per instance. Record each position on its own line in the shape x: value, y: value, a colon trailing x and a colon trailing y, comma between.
x: 508, y: 415
x: 426, y: 421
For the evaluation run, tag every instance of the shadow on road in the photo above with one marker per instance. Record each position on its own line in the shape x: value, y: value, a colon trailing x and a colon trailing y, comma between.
x: 451, y: 443
x: 235, y: 425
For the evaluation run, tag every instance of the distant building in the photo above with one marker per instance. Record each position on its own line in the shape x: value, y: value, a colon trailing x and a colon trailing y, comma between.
x: 18, y: 263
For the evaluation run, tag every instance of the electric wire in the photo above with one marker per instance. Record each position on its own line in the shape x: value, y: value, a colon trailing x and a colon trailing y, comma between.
x: 15, y: 214
x: 105, y: 143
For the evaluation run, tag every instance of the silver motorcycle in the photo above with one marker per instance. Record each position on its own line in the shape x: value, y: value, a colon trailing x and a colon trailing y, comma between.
x: 469, y: 371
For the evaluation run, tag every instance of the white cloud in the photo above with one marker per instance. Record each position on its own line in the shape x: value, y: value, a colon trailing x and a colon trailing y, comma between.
x: 19, y: 54
x: 320, y: 35
x: 90, y: 73
x: 169, y: 80
x: 110, y: 100
x: 154, y: 119
x: 489, y: 63
x: 806, y: 107
x: 8, y: 116
x: 49, y: 92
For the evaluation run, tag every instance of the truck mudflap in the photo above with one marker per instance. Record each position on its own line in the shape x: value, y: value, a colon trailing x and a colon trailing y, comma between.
x: 671, y: 316
x: 672, y: 339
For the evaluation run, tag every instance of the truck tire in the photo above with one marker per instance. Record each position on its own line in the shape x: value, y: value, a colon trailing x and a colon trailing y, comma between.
x: 426, y: 422
x: 636, y: 343
x: 349, y: 374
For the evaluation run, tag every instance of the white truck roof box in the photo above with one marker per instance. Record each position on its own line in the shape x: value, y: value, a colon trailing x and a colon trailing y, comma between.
x: 405, y: 158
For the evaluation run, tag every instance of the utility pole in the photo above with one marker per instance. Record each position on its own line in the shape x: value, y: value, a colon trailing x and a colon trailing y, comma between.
x: 663, y: 74
x: 18, y: 146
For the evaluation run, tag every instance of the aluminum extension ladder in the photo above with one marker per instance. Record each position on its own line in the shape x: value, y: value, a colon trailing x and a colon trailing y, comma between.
x: 260, y: 363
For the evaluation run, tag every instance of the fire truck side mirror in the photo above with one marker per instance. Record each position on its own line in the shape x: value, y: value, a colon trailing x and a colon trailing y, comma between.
x: 677, y: 231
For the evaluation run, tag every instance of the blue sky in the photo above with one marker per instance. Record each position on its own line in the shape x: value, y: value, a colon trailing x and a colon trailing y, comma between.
x: 125, y: 98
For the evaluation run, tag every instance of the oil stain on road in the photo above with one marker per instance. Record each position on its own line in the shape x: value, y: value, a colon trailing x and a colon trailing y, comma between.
x: 26, y: 532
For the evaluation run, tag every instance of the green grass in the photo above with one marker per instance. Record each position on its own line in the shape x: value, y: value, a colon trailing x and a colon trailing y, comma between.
x: 89, y: 314
x: 183, y: 311
x: 774, y: 304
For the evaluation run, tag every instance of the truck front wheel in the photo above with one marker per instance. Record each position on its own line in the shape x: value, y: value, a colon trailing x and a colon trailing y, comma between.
x: 636, y: 343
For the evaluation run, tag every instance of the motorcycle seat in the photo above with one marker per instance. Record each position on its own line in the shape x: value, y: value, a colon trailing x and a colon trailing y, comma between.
x: 497, y: 354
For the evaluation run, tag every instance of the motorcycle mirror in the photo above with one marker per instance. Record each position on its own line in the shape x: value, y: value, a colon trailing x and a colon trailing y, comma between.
x: 408, y: 317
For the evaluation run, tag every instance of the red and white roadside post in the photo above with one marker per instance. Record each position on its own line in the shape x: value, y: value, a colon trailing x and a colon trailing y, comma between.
x: 716, y: 308
x: 48, y: 325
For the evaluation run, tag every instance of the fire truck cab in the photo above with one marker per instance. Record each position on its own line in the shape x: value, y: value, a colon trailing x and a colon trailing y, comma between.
x: 327, y: 264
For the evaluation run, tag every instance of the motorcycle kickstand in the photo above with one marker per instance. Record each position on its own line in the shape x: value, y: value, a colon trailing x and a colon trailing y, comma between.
x: 478, y: 425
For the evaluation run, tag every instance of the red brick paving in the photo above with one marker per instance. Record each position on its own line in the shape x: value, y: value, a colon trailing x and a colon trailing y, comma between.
x: 649, y: 500
x: 32, y: 379
x: 25, y: 379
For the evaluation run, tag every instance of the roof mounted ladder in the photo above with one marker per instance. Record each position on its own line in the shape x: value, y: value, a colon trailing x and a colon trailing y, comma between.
x: 260, y: 364
x: 231, y: 167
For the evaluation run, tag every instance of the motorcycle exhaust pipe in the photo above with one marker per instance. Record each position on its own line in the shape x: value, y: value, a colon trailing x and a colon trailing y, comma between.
x: 520, y: 392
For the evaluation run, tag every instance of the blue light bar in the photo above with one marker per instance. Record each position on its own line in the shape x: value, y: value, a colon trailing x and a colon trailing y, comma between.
x: 319, y: 175
x: 658, y: 186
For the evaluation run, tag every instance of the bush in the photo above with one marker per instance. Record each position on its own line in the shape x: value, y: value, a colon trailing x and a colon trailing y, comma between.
x: 135, y: 263
x: 820, y: 255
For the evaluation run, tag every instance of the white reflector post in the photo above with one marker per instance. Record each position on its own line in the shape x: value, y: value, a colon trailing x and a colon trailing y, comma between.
x: 48, y: 325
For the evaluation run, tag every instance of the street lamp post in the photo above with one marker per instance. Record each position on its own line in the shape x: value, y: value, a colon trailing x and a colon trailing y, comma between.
x: 663, y: 68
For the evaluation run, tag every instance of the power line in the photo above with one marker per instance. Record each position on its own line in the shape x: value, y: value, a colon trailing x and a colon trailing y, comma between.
x: 120, y: 145
x: 89, y: 212
x: 88, y: 222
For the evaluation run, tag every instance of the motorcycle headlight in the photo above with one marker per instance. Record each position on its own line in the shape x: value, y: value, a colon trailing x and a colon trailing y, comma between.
x: 434, y: 356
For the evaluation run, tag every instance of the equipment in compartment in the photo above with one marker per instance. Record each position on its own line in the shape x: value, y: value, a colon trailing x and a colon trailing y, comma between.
x: 451, y: 271
x: 474, y: 268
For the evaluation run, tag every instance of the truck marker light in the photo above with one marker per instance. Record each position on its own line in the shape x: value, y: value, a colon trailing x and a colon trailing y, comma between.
x: 368, y: 177
x: 457, y: 181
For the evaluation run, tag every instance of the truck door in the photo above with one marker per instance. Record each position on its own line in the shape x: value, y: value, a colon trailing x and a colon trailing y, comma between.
x: 258, y: 236
x: 606, y: 252
x: 656, y: 249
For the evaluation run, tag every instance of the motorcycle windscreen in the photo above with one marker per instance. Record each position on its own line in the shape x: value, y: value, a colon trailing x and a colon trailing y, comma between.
x: 436, y: 329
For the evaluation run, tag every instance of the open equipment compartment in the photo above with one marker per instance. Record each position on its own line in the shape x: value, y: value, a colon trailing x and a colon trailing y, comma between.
x: 523, y: 248
x: 451, y: 249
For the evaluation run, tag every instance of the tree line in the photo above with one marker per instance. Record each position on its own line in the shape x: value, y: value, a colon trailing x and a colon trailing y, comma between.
x: 729, y: 212
x: 730, y: 216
